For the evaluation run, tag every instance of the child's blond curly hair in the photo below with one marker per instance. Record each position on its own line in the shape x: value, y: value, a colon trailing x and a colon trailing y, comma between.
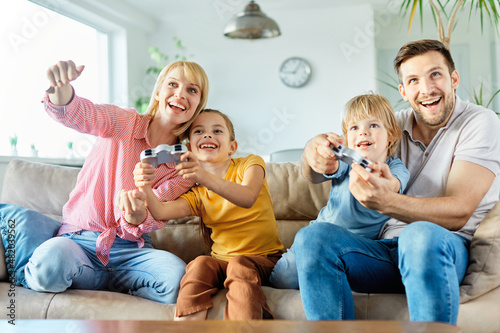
x: 373, y: 105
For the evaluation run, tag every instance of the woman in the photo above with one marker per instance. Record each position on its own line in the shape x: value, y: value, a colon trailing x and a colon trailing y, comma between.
x: 97, y: 249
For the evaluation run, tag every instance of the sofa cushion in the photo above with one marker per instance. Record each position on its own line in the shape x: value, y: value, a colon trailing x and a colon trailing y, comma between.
x: 182, y: 239
x: 105, y: 305
x: 57, y: 181
x: 294, y: 197
x: 483, y: 272
x: 287, y: 230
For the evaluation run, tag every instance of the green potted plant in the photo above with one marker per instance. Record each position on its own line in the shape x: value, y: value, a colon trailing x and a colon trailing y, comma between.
x: 484, y: 7
x: 71, y: 153
x: 13, y: 145
x: 34, y: 151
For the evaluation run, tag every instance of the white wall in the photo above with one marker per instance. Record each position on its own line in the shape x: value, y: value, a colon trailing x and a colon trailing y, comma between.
x: 244, y: 80
x: 348, y: 47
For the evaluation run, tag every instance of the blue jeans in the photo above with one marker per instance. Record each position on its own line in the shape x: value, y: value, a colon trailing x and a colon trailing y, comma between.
x: 284, y: 274
x: 70, y: 261
x: 427, y: 261
x: 22, y: 231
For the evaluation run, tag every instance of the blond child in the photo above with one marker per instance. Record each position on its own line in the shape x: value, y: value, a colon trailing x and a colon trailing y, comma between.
x: 237, y: 216
x: 369, y: 127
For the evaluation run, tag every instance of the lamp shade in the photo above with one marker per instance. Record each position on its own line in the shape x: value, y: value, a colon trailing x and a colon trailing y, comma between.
x: 252, y: 23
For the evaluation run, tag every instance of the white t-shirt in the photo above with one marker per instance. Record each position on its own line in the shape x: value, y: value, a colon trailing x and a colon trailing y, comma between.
x: 472, y: 134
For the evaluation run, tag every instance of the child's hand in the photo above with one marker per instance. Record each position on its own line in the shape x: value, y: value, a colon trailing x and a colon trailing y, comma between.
x: 144, y: 175
x: 133, y: 203
x: 191, y: 169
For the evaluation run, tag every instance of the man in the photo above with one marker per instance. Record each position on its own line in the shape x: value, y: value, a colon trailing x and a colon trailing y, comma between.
x: 452, y: 150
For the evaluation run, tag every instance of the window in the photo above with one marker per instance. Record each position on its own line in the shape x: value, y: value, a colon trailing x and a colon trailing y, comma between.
x: 34, y: 39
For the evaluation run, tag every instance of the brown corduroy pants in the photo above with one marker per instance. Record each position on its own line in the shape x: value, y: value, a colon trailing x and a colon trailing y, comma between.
x: 243, y: 276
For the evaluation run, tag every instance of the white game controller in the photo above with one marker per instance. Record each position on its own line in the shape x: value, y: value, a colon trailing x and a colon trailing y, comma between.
x: 350, y: 156
x: 163, y: 154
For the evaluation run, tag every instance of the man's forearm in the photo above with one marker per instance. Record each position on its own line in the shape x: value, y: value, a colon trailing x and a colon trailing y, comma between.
x: 448, y: 212
x: 310, y: 174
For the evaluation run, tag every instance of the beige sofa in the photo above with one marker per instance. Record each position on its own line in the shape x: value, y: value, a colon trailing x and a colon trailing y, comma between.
x: 46, y: 187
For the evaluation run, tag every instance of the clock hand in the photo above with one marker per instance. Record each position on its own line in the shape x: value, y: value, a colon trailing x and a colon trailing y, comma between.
x: 293, y: 71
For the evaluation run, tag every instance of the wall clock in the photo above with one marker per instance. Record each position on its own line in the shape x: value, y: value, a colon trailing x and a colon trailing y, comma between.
x: 295, y: 72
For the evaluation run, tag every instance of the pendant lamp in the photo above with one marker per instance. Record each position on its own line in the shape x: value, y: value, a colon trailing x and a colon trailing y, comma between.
x: 252, y: 23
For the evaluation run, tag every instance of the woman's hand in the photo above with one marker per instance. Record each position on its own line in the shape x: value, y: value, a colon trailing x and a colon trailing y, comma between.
x: 60, y: 75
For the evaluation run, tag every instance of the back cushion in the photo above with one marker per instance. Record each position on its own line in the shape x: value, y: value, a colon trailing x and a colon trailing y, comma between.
x: 294, y: 197
x: 38, y: 186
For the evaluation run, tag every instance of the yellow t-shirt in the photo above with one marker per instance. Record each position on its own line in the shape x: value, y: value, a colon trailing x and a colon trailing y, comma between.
x: 237, y: 230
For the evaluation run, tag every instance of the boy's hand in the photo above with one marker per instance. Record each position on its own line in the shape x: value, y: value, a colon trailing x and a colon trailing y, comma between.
x: 144, y: 175
x: 133, y: 203
x: 191, y: 169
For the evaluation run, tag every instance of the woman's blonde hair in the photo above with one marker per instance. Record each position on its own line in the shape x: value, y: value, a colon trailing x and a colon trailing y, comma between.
x: 193, y: 73
x: 373, y: 105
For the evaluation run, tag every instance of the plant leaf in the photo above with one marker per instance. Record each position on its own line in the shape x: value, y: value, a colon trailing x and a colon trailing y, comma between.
x: 412, y: 15
x: 491, y: 99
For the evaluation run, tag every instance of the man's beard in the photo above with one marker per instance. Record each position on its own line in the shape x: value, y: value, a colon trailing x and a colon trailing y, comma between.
x: 448, y: 107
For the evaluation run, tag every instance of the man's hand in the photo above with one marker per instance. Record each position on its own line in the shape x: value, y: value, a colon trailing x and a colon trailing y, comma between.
x: 451, y: 211
x: 372, y: 189
x: 133, y: 203
x: 318, y: 157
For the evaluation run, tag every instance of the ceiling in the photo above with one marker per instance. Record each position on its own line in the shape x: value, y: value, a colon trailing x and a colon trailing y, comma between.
x: 163, y: 8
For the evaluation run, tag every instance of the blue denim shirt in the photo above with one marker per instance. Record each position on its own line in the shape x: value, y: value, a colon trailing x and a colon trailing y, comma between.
x: 344, y: 210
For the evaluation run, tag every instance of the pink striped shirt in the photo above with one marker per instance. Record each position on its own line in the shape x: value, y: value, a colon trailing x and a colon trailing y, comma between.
x: 122, y: 135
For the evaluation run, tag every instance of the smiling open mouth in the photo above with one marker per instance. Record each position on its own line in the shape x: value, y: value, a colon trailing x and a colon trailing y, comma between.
x: 431, y: 102
x: 364, y: 144
x: 208, y: 146
x: 176, y: 106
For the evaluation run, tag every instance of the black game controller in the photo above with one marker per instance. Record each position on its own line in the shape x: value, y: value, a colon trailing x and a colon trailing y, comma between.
x: 163, y: 154
x: 350, y: 156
